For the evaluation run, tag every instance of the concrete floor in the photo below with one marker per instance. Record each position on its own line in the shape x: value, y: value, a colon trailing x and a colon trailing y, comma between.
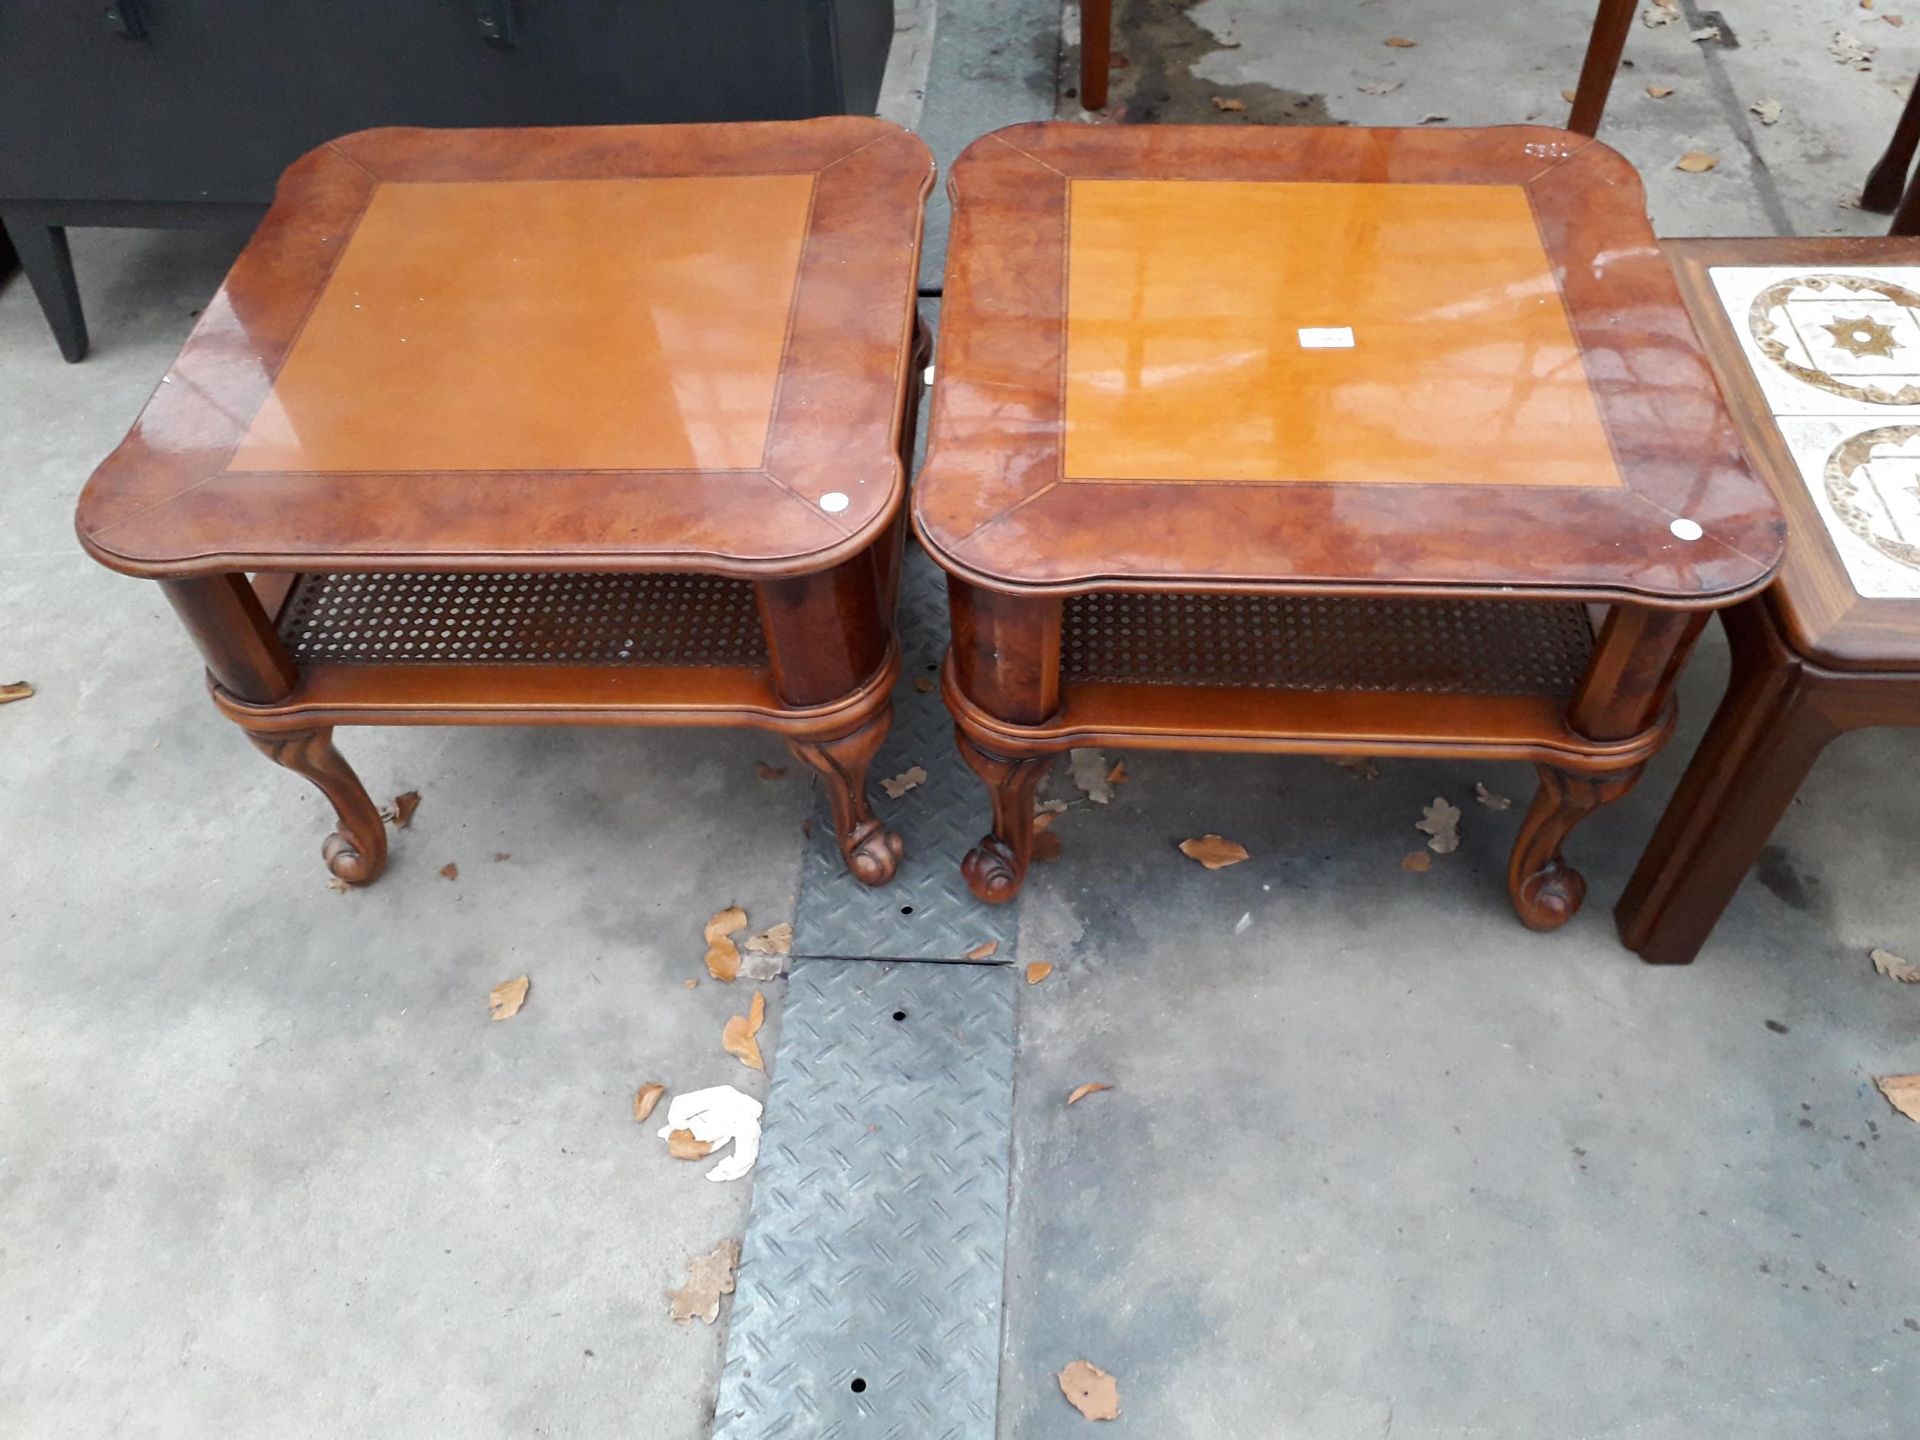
x: 1378, y: 1163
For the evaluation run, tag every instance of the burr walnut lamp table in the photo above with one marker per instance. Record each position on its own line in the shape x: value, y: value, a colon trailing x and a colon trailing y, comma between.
x: 1324, y: 441
x: 595, y: 426
x: 1817, y: 345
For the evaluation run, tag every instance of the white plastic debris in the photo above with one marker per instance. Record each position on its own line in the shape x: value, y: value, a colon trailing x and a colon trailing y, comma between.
x: 717, y: 1115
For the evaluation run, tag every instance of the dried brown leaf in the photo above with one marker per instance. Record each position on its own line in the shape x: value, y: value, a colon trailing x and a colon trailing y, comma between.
x: 768, y: 772
x: 502, y: 855
x: 690, y: 984
x: 1213, y: 852
x: 1697, y: 162
x: 737, y: 1039
x: 449, y: 871
x: 1089, y: 771
x: 1419, y: 862
x: 1049, y: 807
x: 924, y: 684
x: 1902, y: 1092
x: 708, y: 1278
x: 1221, y: 102
x: 909, y: 779
x: 1400, y: 42
x: 1659, y: 92
x: 1043, y: 822
x: 1895, y: 967
x: 1567, y: 95
x: 1082, y: 1091
x: 1492, y: 801
x: 1048, y: 847
x: 1088, y: 1388
x: 682, y: 1145
x: 646, y: 1098
x: 1767, y: 110
x: 1118, y: 775
x: 774, y: 940
x: 723, y: 956
x: 506, y: 998
x: 984, y: 950
x: 17, y: 690
x: 403, y: 808
x: 1441, y: 822
x: 1895, y: 20
x: 1038, y: 971
x: 1356, y: 764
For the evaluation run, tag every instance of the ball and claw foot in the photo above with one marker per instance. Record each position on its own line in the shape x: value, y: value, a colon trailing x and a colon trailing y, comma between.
x: 1550, y: 896
x: 992, y: 871
x: 873, y: 853
x: 346, y: 862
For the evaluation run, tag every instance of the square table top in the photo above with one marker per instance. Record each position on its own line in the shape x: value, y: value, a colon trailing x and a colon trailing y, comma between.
x: 635, y: 347
x: 1817, y: 345
x: 1306, y: 360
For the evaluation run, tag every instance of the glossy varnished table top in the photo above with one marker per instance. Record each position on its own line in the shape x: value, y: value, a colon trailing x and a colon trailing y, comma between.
x: 1326, y: 360
x: 1817, y: 344
x: 587, y: 348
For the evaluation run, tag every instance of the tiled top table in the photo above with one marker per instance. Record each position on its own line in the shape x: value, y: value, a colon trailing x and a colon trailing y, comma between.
x: 579, y: 426
x: 1321, y: 440
x: 1817, y: 346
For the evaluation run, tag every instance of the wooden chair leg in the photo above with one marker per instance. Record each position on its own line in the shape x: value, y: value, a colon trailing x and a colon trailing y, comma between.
x: 1906, y: 220
x: 1604, y: 47
x: 872, y: 852
x: 996, y: 868
x: 43, y: 254
x: 1765, y: 737
x: 1546, y: 891
x: 1887, y: 182
x: 1096, y: 52
x: 357, y: 851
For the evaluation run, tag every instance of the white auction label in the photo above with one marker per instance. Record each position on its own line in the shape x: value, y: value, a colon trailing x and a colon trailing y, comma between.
x: 1331, y: 337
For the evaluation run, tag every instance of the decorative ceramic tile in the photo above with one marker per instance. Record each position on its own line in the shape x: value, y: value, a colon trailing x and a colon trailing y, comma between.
x: 1866, y: 485
x: 1836, y: 354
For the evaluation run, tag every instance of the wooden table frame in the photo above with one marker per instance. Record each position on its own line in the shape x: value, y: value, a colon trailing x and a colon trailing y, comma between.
x: 1025, y: 542
x: 1606, y: 43
x: 511, y: 525
x: 1812, y: 659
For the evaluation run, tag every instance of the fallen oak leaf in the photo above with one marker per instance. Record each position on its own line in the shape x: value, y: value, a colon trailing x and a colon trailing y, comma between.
x: 682, y: 1145
x: 1696, y: 162
x: 506, y: 998
x: 1221, y: 102
x: 646, y: 1098
x: 983, y: 950
x: 1767, y: 110
x: 737, y: 1039
x: 769, y: 772
x: 1419, y: 862
x: 403, y: 808
x: 1089, y: 771
x: 17, y: 690
x: 1487, y: 798
x: 1090, y: 1390
x: 1038, y: 971
x: 708, y: 1278
x: 723, y: 956
x: 906, y: 780
x: 449, y: 871
x: 1895, y: 967
x: 1049, y: 807
x: 1356, y: 764
x: 1082, y: 1091
x: 1048, y: 847
x: 774, y: 940
x: 1118, y: 775
x: 1441, y: 822
x: 1214, y: 852
x: 1902, y: 1092
x: 924, y: 684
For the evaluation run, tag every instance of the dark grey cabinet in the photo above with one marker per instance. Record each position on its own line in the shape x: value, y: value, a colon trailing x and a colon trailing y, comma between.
x: 184, y: 112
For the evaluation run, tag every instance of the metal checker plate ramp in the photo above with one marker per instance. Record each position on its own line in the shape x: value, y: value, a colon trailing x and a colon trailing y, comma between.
x: 926, y: 913
x: 868, y: 1296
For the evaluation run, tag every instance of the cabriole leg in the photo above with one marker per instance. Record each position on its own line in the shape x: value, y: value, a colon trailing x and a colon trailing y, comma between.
x: 997, y: 867
x: 1547, y: 891
x: 357, y: 851
x: 872, y: 852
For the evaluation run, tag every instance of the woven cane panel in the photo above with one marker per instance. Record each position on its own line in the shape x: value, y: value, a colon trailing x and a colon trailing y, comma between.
x: 522, y: 619
x: 1286, y: 643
